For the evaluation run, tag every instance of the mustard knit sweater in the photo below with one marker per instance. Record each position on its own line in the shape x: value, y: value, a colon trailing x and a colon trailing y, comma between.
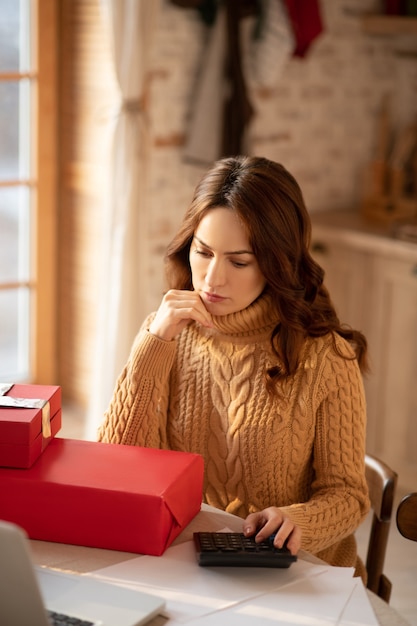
x: 302, y: 451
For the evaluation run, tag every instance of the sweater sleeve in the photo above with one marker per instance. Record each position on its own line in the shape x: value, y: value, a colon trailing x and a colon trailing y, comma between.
x: 138, y: 408
x: 339, y: 495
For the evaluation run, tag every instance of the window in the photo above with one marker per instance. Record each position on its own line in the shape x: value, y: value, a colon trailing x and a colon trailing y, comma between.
x: 27, y: 194
x: 16, y: 88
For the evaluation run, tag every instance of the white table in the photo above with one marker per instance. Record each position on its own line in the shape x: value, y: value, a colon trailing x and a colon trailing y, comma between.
x: 79, y: 559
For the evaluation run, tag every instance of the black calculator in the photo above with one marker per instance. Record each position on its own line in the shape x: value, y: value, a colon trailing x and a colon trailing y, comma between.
x: 235, y: 549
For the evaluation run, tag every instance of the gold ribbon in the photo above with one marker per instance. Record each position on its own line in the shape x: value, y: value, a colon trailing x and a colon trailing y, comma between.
x: 28, y: 403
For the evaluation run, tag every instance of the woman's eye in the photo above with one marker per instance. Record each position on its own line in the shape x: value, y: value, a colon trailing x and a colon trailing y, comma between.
x: 203, y: 253
x: 239, y: 264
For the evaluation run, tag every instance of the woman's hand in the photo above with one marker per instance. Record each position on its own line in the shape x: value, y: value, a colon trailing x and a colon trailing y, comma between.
x: 271, y: 520
x: 177, y: 309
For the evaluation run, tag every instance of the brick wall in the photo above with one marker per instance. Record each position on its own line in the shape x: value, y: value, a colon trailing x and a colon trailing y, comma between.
x: 319, y: 120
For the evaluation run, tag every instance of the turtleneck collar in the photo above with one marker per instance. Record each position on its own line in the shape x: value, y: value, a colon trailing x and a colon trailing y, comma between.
x: 259, y: 317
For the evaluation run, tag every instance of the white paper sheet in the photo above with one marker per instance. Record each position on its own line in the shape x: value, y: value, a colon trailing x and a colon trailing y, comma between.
x: 358, y: 611
x: 322, y: 600
x: 192, y: 591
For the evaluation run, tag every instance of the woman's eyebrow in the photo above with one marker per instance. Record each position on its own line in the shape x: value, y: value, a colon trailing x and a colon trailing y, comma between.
x: 205, y: 245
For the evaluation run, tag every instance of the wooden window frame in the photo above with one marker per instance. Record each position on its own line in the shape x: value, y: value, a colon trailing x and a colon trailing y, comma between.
x: 44, y: 358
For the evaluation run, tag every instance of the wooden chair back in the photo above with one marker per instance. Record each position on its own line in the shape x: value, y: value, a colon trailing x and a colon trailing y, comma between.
x: 407, y: 516
x: 382, y: 483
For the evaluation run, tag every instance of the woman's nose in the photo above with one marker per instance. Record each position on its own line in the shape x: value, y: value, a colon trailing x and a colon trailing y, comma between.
x: 215, y: 275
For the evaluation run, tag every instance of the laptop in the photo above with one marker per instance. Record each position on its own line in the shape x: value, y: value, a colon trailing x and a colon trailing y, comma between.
x: 29, y: 593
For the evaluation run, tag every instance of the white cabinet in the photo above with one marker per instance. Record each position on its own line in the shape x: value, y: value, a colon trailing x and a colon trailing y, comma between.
x: 392, y: 387
x: 372, y: 280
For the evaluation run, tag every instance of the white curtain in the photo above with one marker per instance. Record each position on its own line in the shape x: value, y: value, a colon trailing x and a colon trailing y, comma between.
x: 123, y: 289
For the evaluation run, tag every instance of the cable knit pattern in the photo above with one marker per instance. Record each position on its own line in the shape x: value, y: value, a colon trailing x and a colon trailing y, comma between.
x: 302, y: 450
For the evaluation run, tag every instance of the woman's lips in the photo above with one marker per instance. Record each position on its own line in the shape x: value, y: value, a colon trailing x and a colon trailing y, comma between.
x: 213, y: 297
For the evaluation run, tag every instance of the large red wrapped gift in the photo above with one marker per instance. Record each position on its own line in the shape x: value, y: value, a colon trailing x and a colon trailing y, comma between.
x: 30, y: 415
x: 104, y: 495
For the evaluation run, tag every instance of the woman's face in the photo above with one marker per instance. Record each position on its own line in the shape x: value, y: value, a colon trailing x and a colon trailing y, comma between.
x: 225, y: 272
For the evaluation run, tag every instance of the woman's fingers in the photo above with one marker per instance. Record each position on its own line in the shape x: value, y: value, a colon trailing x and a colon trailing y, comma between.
x: 177, y: 309
x: 294, y: 541
x: 273, y: 520
x: 290, y: 534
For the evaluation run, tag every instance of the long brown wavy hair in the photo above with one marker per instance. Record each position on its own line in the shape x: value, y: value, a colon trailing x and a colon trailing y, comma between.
x: 270, y: 203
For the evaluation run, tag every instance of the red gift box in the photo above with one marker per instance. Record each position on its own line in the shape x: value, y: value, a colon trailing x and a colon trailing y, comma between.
x: 30, y: 416
x: 104, y: 495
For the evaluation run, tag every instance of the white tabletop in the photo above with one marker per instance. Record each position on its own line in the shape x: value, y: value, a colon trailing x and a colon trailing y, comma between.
x: 79, y: 559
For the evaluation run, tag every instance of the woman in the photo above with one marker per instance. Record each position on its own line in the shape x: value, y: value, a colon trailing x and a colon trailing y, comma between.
x: 246, y: 363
